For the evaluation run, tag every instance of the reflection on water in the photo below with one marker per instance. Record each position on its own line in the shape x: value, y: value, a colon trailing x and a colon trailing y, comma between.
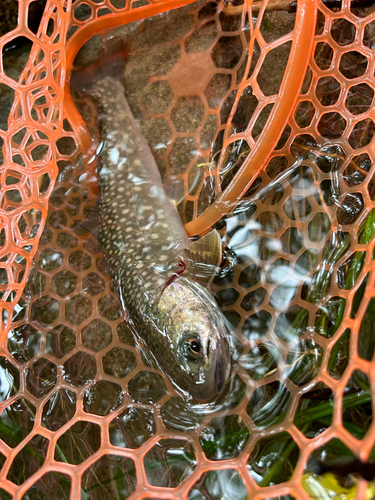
x: 278, y: 341
x: 72, y: 365
x: 220, y: 485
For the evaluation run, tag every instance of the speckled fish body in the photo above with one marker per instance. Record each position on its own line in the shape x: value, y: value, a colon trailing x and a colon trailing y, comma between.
x: 142, y: 239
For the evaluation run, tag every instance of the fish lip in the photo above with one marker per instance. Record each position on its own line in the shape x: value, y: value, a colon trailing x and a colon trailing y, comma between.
x: 219, y: 372
x: 219, y: 380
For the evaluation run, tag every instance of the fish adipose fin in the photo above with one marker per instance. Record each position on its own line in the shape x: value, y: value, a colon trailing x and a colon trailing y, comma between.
x: 203, y: 257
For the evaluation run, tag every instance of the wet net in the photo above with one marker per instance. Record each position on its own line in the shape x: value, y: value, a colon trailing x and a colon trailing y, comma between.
x: 275, y: 108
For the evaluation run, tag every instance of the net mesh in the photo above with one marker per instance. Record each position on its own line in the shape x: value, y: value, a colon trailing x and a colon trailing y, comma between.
x: 83, y: 414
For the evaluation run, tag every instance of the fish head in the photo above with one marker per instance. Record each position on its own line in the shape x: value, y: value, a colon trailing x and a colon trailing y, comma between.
x: 198, y: 336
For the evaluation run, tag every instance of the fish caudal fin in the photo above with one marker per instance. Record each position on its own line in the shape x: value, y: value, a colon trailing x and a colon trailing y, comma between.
x: 110, y: 61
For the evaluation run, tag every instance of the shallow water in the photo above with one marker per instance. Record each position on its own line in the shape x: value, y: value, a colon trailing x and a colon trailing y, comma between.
x: 78, y: 382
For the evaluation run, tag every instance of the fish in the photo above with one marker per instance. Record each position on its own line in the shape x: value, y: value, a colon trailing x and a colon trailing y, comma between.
x: 160, y: 275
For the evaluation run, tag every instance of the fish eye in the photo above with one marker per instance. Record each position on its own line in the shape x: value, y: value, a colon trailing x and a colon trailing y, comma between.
x: 192, y: 347
x: 195, y: 347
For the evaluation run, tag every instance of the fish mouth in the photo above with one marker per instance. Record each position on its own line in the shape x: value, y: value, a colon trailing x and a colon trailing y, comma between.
x: 219, y: 383
x: 221, y: 369
x: 214, y: 387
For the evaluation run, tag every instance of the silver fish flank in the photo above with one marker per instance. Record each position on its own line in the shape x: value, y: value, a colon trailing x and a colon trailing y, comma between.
x: 146, y: 247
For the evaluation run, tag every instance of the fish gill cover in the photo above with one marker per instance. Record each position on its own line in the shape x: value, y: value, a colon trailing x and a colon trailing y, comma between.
x: 83, y: 414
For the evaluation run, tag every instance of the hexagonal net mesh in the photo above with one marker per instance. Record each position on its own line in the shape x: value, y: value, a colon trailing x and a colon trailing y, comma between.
x: 276, y: 109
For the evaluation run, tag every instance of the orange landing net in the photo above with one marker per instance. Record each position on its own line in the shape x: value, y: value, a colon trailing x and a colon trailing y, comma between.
x: 298, y: 117
x: 42, y: 101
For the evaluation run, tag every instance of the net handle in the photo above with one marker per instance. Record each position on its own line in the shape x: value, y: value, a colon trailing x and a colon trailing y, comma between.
x: 256, y: 160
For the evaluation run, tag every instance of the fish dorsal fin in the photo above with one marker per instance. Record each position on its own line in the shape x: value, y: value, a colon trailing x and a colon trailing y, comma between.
x: 203, y: 257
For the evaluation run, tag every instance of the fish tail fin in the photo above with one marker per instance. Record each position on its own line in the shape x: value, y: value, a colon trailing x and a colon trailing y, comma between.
x: 110, y: 61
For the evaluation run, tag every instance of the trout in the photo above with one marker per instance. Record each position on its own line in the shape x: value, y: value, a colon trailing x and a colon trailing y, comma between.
x: 159, y: 274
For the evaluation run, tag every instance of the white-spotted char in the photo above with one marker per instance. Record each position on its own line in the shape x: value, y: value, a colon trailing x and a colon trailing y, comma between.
x: 143, y: 241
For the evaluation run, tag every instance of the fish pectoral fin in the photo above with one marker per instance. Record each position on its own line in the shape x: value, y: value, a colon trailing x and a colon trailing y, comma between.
x: 203, y: 257
x: 91, y: 223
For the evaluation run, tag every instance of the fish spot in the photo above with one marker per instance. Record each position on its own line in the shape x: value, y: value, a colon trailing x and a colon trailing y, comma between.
x: 163, y: 257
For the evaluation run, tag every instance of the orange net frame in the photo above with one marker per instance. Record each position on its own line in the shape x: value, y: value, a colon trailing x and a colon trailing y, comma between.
x: 80, y: 406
